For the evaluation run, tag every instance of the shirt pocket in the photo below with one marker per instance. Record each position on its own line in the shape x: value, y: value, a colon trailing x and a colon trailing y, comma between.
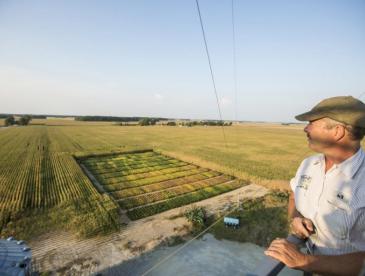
x: 333, y: 217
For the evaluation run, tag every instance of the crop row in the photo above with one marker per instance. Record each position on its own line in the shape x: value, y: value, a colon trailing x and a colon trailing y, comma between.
x: 154, y: 167
x: 154, y: 179
x: 123, y: 156
x: 135, y: 161
x: 126, y: 167
x: 130, y: 169
x: 158, y: 207
x: 144, y: 199
x: 161, y: 185
x: 33, y: 177
x: 134, y: 177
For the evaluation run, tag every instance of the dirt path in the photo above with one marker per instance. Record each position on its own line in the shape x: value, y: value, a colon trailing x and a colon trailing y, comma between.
x: 65, y: 253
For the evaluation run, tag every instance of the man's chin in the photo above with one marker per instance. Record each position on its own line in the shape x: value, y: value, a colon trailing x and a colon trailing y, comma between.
x: 314, y: 147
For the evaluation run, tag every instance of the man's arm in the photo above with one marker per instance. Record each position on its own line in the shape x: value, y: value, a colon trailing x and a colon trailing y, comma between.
x: 299, y: 225
x: 347, y: 264
x: 292, y: 211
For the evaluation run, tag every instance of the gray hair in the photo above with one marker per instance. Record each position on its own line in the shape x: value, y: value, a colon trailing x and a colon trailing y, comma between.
x: 356, y: 133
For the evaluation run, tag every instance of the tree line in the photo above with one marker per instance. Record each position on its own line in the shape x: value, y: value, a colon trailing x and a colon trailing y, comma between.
x: 22, y: 121
x: 200, y: 123
x: 116, y: 119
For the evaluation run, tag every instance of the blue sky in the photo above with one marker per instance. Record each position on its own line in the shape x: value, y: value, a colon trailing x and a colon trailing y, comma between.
x: 147, y: 58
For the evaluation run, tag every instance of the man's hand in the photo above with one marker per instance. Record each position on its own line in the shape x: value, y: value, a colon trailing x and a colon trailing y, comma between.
x: 302, y: 227
x: 287, y: 253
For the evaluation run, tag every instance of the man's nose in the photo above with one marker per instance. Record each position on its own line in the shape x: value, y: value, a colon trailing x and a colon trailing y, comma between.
x: 306, y: 128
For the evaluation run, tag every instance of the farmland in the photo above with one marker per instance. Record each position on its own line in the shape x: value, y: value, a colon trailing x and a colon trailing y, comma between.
x: 147, y: 183
x: 41, y: 180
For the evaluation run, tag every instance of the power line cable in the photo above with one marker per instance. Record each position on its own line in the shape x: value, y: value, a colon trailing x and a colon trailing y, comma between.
x: 211, y: 70
x: 234, y: 61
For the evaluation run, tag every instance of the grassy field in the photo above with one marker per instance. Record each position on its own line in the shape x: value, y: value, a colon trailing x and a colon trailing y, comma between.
x: 147, y: 183
x: 262, y: 220
x: 40, y: 179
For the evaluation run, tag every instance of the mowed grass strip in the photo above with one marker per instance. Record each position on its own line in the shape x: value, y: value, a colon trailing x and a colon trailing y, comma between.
x: 144, y: 199
x: 158, y: 207
x: 155, y: 179
x: 133, y: 177
x: 161, y: 185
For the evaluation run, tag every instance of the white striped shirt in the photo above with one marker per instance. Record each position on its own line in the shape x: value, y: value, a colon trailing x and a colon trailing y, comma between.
x: 334, y: 201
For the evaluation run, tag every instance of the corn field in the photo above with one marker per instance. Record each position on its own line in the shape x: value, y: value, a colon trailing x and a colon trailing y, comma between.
x: 33, y: 177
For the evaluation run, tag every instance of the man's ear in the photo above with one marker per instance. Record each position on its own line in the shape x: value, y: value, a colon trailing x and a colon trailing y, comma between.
x: 340, y: 132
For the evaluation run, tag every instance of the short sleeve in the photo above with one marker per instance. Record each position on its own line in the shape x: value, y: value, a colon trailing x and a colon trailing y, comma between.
x: 294, y: 180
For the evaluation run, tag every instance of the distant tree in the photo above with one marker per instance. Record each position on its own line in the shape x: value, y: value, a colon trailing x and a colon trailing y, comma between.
x: 9, y: 121
x: 147, y: 121
x: 24, y: 120
x: 144, y: 122
x: 171, y: 123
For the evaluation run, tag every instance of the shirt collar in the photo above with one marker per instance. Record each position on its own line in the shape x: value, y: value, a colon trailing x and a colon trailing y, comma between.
x: 318, y: 160
x: 350, y: 166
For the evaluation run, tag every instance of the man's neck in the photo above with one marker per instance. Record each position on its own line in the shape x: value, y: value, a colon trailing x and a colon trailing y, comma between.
x: 338, y: 156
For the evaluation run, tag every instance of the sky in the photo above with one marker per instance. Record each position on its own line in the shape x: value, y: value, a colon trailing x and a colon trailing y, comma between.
x: 147, y: 58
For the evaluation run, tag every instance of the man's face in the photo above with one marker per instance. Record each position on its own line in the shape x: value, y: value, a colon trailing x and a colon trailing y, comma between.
x: 320, y: 136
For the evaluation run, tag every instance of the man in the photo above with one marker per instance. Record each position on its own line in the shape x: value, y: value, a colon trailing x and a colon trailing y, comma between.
x: 327, y: 204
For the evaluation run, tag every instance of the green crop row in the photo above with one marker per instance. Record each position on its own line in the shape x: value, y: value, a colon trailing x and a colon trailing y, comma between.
x: 155, y: 208
x: 134, y: 177
x: 130, y: 168
x: 160, y: 186
x: 129, y: 161
x: 153, y: 167
x: 144, y: 199
x: 123, y: 156
x: 151, y: 180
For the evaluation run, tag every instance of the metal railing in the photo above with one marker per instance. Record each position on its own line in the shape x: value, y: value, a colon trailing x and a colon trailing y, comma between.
x: 270, y: 266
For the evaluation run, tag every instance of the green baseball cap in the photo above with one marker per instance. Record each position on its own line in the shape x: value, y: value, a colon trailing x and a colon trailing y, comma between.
x: 344, y: 109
